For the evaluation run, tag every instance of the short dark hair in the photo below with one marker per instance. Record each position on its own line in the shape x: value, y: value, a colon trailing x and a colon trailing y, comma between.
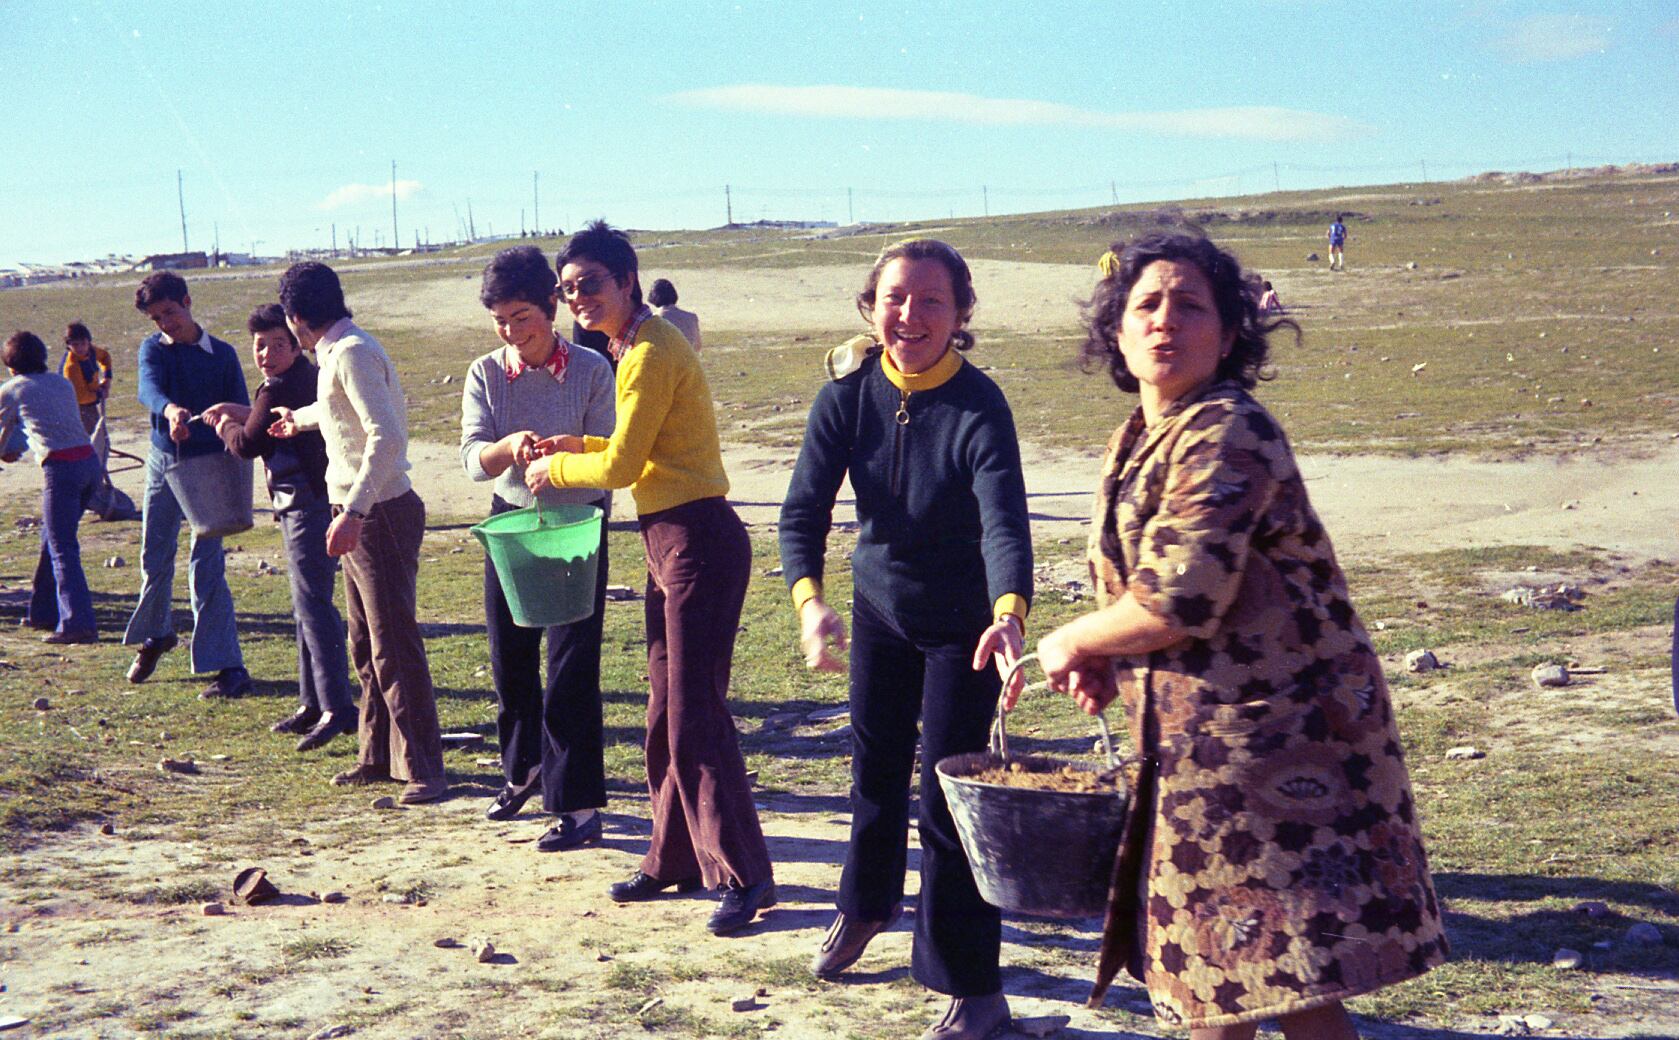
x: 519, y: 273
x: 606, y: 246
x: 310, y: 292
x: 24, y: 353
x: 663, y: 294
x: 1233, y: 296
x: 961, y: 280
x: 267, y: 318
x: 77, y: 330
x: 159, y: 286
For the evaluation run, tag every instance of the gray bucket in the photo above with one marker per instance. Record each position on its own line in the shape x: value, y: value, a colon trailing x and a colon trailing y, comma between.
x: 1044, y: 853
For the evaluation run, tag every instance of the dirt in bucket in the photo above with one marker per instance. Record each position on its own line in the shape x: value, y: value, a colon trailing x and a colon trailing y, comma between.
x: 1067, y: 778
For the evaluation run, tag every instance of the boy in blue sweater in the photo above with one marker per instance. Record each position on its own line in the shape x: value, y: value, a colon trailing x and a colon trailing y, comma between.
x: 183, y: 371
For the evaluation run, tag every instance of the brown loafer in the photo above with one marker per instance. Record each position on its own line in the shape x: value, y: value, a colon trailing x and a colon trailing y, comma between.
x: 428, y: 790
x: 362, y: 775
x: 844, y: 945
x: 971, y: 1018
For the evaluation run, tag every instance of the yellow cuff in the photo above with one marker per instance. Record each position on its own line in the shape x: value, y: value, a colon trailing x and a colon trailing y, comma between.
x: 805, y: 590
x: 592, y: 443
x: 556, y: 472
x: 1010, y: 603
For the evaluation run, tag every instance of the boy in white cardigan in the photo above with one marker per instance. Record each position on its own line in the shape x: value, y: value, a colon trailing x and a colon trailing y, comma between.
x: 377, y: 528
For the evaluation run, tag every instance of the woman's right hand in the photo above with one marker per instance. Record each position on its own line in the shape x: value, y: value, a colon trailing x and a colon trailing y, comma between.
x: 520, y: 447
x: 1088, y: 680
x: 818, y: 627
x: 567, y: 442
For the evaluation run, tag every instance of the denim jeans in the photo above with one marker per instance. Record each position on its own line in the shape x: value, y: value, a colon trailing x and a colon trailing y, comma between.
x: 323, y: 665
x: 215, y: 634
x: 61, y: 599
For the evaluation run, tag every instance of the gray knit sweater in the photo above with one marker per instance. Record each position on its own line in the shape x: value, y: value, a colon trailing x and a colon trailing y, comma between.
x: 492, y: 406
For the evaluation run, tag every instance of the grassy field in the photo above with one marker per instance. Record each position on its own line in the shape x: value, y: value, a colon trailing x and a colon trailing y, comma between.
x: 1573, y: 800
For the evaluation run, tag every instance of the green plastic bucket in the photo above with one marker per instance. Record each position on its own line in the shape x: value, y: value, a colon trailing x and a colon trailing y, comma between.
x: 547, y: 560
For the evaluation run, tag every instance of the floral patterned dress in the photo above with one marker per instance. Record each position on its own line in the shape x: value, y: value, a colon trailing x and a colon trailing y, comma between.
x: 1282, y: 865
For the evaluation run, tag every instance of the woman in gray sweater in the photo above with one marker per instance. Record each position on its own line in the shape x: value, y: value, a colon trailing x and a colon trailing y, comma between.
x: 537, y: 386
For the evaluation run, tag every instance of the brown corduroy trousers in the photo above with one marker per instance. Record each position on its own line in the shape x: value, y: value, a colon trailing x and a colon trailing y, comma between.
x: 704, y: 822
x: 399, y: 730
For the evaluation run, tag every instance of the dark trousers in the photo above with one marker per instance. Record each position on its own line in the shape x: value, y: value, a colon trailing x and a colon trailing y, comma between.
x: 896, y: 680
x: 323, y: 667
x: 61, y: 600
x: 704, y: 822
x: 1675, y: 658
x: 554, y: 727
x: 399, y: 731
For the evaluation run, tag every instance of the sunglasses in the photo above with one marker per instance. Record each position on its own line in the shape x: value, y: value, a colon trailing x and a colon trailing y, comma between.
x: 588, y: 285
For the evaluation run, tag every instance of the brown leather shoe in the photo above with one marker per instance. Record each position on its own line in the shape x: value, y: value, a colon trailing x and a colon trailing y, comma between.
x: 428, y: 790
x: 971, y: 1018
x: 362, y: 775
x: 844, y: 945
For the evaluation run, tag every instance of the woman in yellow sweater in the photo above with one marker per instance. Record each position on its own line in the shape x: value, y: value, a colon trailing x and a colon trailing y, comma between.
x: 664, y: 449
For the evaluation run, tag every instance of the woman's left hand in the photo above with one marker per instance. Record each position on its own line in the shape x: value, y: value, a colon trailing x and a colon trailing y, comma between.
x: 536, y: 476
x: 1002, y: 643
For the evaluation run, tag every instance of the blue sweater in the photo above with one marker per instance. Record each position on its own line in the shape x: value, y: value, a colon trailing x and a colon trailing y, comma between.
x: 941, y: 501
x: 183, y: 374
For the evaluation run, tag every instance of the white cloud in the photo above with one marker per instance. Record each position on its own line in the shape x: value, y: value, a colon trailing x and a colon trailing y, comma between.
x: 1555, y: 37
x: 351, y: 194
x: 1252, y: 121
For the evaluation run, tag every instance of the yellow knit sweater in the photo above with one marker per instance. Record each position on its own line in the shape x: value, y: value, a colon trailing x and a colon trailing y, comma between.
x: 664, y: 447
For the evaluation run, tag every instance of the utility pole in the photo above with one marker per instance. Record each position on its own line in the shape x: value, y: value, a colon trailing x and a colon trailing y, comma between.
x: 335, y: 238
x: 728, y: 206
x: 521, y: 222
x: 181, y: 196
x: 1425, y: 171
x: 850, y: 210
x: 471, y: 225
x: 1277, y: 176
x: 536, y: 204
x: 985, y: 193
x: 1113, y: 186
x: 396, y: 240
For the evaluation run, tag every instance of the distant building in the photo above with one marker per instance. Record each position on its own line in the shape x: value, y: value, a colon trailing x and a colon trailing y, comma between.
x: 173, y: 262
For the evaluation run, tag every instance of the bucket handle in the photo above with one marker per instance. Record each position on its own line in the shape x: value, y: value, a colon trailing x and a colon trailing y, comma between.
x: 1000, y: 735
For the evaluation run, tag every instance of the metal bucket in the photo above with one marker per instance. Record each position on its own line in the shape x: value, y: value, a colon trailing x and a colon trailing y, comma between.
x: 1045, y: 853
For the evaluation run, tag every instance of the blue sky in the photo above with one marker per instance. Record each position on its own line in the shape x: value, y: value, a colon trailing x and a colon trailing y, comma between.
x: 284, y: 118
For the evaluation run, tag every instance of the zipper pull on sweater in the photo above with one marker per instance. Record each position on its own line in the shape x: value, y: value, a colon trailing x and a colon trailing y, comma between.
x: 903, y: 408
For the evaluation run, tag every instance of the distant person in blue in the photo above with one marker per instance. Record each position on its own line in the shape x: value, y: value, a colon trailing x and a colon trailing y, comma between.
x: 183, y: 370
x: 43, y: 404
x: 1337, y: 242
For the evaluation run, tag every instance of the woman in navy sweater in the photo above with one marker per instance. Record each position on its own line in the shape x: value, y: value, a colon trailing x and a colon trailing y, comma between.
x: 942, y: 578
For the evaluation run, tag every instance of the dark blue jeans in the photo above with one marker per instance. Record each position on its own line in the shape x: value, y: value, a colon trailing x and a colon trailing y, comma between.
x: 553, y: 728
x: 898, y: 679
x: 61, y: 600
x: 323, y: 665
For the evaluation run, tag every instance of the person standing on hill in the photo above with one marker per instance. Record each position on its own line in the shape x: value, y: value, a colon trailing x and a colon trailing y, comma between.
x: 539, y: 385
x: 662, y: 298
x: 377, y: 526
x: 43, y: 404
x: 183, y: 370
x: 89, y: 370
x: 664, y: 448
x: 1337, y: 243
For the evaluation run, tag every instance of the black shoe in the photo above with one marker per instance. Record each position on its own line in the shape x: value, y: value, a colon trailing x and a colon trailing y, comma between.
x: 845, y: 943
x: 301, y: 721
x: 145, y: 658
x: 511, y: 800
x: 229, y: 683
x: 645, y: 886
x: 565, y: 835
x: 739, y: 905
x: 329, y: 726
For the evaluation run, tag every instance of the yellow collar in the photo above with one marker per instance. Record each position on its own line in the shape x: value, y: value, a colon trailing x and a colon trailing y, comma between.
x: 939, y: 374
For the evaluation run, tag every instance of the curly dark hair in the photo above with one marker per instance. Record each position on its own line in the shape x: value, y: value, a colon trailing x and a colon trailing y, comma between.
x: 608, y: 247
x: 311, y: 292
x: 1236, y: 295
x: 961, y: 281
x: 520, y: 273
